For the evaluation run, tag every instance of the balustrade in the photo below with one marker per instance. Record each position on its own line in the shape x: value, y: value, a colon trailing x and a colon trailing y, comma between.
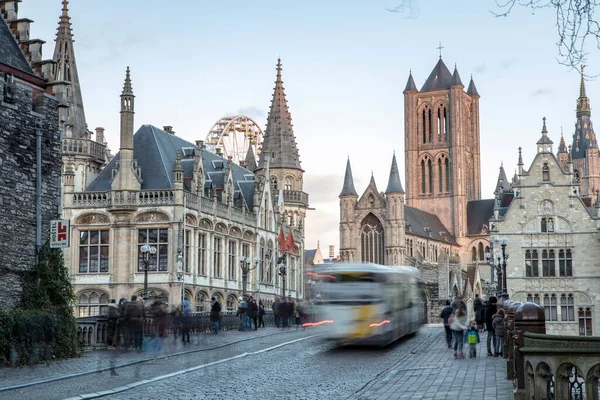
x: 83, y: 147
x: 295, y: 196
x: 118, y: 198
x: 92, y: 332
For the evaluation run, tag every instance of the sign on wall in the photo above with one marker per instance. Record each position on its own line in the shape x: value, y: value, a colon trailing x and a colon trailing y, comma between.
x: 59, y: 233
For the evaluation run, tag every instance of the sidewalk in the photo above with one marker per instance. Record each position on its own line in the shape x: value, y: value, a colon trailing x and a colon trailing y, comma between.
x: 433, y: 373
x: 95, y: 361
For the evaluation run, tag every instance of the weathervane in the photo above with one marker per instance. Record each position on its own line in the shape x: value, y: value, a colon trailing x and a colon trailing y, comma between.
x: 440, y: 47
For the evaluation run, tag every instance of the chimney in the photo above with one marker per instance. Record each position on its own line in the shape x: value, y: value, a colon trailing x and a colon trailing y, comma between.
x: 168, y: 129
x: 219, y: 151
x: 331, y: 251
x: 200, y: 144
x: 11, y: 10
x: 100, y: 135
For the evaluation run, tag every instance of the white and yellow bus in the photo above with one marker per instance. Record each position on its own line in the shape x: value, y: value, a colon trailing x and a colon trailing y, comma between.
x: 370, y: 304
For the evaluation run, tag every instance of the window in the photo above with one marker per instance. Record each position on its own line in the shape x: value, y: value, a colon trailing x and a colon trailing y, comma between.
x: 202, y: 253
x: 270, y: 262
x: 187, y: 254
x: 481, y: 253
x: 263, y: 262
x: 231, y: 301
x: 547, y: 225
x: 231, y: 260
x: 567, y: 307
x: 372, y: 240
x: 93, y: 251
x: 423, y: 176
x: 292, y: 273
x: 548, y: 263
x: 550, y: 308
x: 531, y: 263
x: 440, y: 176
x: 533, y: 298
x: 430, y: 175
x: 585, y: 321
x: 473, y: 254
x: 273, y: 183
x: 447, y: 169
x: 545, y: 173
x: 158, y: 238
x: 90, y: 304
x: 201, y: 300
x: 565, y: 262
x: 288, y: 184
x: 217, y: 263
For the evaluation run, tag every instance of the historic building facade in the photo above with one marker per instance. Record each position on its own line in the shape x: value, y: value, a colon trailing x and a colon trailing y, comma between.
x: 205, y: 216
x: 553, y: 233
x: 30, y: 163
x: 440, y: 224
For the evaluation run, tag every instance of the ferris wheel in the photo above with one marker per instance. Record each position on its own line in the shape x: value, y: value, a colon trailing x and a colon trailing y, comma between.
x: 233, y: 136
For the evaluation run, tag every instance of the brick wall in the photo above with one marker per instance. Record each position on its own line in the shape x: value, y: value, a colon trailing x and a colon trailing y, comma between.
x: 19, y: 120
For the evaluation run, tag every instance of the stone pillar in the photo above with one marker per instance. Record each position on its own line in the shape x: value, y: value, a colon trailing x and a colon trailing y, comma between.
x: 529, y: 317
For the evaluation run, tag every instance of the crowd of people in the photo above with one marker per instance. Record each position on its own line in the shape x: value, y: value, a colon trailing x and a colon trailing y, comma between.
x: 459, y: 330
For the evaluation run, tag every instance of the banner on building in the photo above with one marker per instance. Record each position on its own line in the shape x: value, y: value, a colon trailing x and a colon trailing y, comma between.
x: 59, y: 233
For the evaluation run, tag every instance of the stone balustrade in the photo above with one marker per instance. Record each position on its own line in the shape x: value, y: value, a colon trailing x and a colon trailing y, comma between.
x: 92, y: 332
x: 550, y: 367
x: 121, y: 198
x: 83, y: 147
x: 295, y: 196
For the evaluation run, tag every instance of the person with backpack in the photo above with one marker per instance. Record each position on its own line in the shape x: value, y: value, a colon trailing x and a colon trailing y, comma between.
x: 500, y: 332
x: 472, y: 338
x: 445, y: 315
x: 215, y: 314
x: 242, y: 312
x: 489, y: 310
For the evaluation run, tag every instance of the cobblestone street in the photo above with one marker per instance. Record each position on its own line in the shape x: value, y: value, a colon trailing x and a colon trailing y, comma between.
x: 273, y: 365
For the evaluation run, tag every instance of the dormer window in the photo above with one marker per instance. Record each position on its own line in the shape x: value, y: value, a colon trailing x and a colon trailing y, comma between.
x: 545, y: 173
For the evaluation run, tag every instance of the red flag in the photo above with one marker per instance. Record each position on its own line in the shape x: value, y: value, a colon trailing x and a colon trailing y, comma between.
x: 281, y: 241
x: 289, y: 242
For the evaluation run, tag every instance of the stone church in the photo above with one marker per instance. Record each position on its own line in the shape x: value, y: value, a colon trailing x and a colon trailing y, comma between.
x: 551, y: 221
x: 439, y: 223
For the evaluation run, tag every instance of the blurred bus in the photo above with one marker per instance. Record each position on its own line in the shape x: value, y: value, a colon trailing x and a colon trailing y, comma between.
x: 370, y: 304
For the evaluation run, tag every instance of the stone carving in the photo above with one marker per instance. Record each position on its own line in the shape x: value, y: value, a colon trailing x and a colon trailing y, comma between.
x: 90, y: 219
x: 235, y: 232
x: 190, y: 220
x: 221, y: 228
x: 248, y: 235
x: 152, y: 217
x: 206, y: 224
x: 547, y: 207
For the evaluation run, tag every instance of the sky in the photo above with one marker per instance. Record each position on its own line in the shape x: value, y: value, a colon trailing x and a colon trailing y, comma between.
x: 345, y: 65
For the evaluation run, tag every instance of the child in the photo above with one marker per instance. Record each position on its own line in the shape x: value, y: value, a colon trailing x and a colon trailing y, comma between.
x: 498, y: 325
x: 472, y: 338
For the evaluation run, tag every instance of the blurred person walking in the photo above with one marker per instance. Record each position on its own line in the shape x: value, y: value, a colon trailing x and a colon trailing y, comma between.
x: 113, y: 320
x: 215, y: 313
x: 489, y: 310
x: 458, y: 327
x: 186, y: 321
x: 445, y: 316
x: 134, y: 312
x: 261, y: 314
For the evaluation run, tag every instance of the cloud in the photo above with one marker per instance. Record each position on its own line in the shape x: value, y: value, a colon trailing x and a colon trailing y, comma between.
x: 323, y: 188
x: 507, y: 63
x: 252, y: 112
x: 408, y: 9
x: 480, y: 69
x: 542, y: 92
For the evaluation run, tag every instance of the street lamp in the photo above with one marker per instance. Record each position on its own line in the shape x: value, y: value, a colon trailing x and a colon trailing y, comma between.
x: 147, y: 251
x: 246, y: 266
x: 504, y: 293
x: 181, y: 274
x: 282, y: 272
x: 499, y: 265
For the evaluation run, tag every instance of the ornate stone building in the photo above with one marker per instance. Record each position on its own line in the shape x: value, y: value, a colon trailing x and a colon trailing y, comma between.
x: 204, y: 215
x: 30, y: 164
x: 440, y: 222
x: 552, y: 241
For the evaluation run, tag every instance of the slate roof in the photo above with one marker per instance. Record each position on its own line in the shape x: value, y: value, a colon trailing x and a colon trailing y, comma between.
x: 440, y: 78
x: 410, y: 84
x: 419, y: 220
x: 348, y: 188
x: 479, y: 213
x: 10, y: 52
x: 310, y: 255
x: 394, y: 184
x: 584, y: 136
x: 156, y: 151
x: 472, y: 90
x: 502, y: 183
x: 456, y: 78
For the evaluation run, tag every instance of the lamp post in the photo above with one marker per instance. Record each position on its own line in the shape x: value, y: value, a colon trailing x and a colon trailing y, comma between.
x: 282, y: 272
x: 181, y: 274
x: 147, y: 251
x: 504, y: 293
x: 499, y: 264
x: 246, y: 266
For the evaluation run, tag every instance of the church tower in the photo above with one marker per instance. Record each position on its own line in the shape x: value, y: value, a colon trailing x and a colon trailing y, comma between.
x: 442, y: 146
x: 584, y: 150
x: 348, y: 199
x: 395, y: 231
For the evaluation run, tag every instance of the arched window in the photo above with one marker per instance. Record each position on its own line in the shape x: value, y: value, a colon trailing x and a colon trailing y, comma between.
x: 231, y: 303
x: 447, y: 168
x: 202, y: 301
x: 372, y: 240
x: 481, y: 254
x: 423, y: 176
x: 440, y: 124
x: 430, y: 130
x: 424, y: 125
x: 440, y: 176
x: 289, y: 184
x: 92, y: 303
x: 270, y: 262
x: 544, y: 227
x: 263, y: 262
x: 430, y: 173
x: 473, y: 254
x: 445, y: 126
x: 273, y: 183
x: 545, y: 173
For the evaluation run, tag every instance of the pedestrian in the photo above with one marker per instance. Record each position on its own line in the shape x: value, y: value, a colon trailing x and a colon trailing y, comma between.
x: 472, y: 338
x: 478, y: 309
x: 458, y: 327
x: 113, y: 318
x: 186, y: 321
x: 122, y: 326
x: 500, y: 332
x: 175, y: 321
x: 489, y: 310
x: 160, y: 324
x: 134, y: 312
x: 242, y: 313
x: 459, y: 303
x: 276, y: 312
x: 215, y: 313
x: 261, y: 314
x: 252, y: 313
x: 445, y: 315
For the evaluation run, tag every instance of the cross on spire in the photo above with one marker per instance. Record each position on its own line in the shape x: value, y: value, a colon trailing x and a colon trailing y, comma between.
x: 440, y: 47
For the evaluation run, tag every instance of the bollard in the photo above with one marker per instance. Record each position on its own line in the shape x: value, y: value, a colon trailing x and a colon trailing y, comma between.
x: 509, y: 344
x: 529, y: 317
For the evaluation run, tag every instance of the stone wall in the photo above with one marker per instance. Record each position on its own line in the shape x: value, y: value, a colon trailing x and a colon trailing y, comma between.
x: 29, y: 110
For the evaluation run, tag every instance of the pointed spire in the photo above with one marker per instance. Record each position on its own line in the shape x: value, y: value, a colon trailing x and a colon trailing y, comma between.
x: 410, y: 84
x: 372, y: 183
x: 544, y: 139
x: 515, y: 180
x: 178, y: 167
x: 584, y: 137
x: 562, y: 146
x: 582, y: 84
x: 472, y: 90
x: 348, y: 189
x: 456, y: 78
x: 394, y: 184
x: 439, y: 78
x: 502, y: 184
x: 250, y: 160
x: 520, y: 156
x: 66, y: 71
x: 127, y: 89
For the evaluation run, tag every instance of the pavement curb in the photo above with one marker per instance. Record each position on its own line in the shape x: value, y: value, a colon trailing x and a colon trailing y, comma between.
x: 70, y: 376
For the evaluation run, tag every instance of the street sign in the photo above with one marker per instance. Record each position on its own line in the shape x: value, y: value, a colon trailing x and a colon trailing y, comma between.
x: 59, y: 233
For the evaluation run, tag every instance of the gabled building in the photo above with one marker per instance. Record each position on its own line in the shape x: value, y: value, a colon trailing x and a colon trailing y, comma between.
x: 205, y: 216
x: 552, y: 240
x: 30, y: 162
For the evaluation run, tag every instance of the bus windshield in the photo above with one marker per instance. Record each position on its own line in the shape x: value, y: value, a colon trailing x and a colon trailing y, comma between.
x: 352, y: 288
